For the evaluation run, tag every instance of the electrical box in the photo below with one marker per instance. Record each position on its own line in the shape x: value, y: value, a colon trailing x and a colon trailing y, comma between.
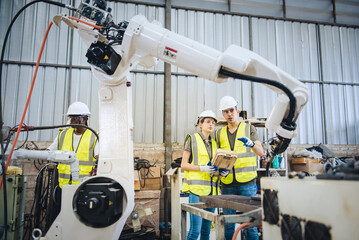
x: 310, y: 209
x: 15, y: 195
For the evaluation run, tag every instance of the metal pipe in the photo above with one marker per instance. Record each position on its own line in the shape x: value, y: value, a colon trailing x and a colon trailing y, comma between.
x: 167, y: 119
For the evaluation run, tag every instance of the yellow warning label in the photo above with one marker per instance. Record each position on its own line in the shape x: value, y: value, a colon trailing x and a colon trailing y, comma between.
x: 109, y: 203
x: 106, y: 57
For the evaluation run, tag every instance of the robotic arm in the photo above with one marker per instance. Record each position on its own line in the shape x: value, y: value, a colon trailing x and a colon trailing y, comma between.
x: 58, y: 156
x: 113, y: 50
x: 142, y: 42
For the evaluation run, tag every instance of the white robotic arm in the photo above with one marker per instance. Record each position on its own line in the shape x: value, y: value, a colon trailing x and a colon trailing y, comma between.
x: 57, y: 156
x: 113, y: 51
x: 143, y: 42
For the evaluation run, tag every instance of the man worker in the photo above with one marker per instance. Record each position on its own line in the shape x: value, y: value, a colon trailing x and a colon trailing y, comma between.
x: 78, y: 139
x: 241, y: 179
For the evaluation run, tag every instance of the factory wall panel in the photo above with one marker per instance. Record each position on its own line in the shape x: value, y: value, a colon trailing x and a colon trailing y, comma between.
x: 264, y: 44
x: 323, y: 56
x: 148, y: 107
x: 346, y: 11
x: 293, y: 47
x: 331, y: 54
x: 334, y: 113
x: 311, y: 122
x: 349, y: 47
x: 339, y: 54
x: 46, y: 107
x: 26, y: 36
x: 351, y: 98
x: 192, y: 95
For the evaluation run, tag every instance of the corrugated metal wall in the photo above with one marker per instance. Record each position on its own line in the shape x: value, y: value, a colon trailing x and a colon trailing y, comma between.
x: 325, y: 57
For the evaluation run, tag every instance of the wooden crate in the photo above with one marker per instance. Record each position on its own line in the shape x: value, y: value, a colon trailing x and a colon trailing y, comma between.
x: 310, y: 165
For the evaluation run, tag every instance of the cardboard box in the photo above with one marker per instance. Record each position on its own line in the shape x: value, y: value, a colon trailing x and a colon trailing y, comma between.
x: 143, y: 200
x: 151, y: 184
x: 310, y: 165
x: 137, y: 180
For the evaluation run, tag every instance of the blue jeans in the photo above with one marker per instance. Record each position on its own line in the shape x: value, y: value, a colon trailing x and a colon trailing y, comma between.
x: 197, y: 224
x: 248, y: 191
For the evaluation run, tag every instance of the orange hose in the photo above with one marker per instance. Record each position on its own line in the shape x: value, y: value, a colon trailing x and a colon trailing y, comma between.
x: 243, y: 225
x: 27, y: 102
x: 82, y: 21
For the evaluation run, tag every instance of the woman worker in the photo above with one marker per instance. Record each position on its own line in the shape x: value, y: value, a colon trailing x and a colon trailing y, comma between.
x: 198, y: 152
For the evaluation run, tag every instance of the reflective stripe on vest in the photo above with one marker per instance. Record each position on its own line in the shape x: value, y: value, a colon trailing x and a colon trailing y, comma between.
x: 245, y: 166
x: 196, y: 182
x: 84, y: 153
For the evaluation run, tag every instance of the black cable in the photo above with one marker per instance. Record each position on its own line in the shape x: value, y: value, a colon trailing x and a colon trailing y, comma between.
x: 292, y: 101
x: 67, y: 125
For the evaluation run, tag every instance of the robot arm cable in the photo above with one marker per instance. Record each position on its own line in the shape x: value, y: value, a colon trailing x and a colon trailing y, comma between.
x: 292, y: 101
x: 32, y: 128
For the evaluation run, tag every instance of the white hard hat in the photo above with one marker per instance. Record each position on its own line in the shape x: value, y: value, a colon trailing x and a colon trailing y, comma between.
x: 207, y: 113
x: 227, y: 102
x: 78, y: 108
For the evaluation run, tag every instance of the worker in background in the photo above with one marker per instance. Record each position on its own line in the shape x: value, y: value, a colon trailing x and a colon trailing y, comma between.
x: 198, y: 152
x: 242, y: 138
x: 80, y: 140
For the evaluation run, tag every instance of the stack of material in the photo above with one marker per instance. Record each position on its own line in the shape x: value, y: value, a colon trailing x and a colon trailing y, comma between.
x: 310, y: 165
x: 150, y: 178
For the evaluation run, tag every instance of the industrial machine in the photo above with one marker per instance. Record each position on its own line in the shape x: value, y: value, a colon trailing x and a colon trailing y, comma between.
x: 16, y: 185
x: 310, y: 208
x: 16, y: 188
x: 100, y: 205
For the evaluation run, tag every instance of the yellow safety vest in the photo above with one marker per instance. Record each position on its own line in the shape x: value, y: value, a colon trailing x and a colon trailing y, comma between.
x: 245, y: 166
x: 84, y: 153
x: 196, y: 182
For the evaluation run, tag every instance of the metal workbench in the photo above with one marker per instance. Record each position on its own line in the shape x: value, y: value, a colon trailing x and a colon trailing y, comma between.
x: 250, y: 208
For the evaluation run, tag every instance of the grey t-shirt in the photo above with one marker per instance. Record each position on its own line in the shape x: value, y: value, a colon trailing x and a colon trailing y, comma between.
x: 207, y: 144
x: 232, y: 136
